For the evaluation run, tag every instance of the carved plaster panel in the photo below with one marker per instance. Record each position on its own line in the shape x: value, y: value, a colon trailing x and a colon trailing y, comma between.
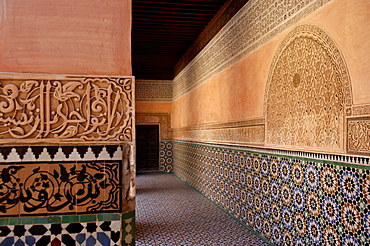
x: 360, y: 110
x: 359, y: 135
x: 72, y: 109
x: 59, y: 188
x: 241, y: 132
x: 153, y: 90
x: 162, y: 119
x: 307, y: 93
x: 254, y: 25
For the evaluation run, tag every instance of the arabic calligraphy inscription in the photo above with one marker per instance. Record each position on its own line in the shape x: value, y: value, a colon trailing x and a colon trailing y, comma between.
x: 59, y: 188
x: 71, y: 109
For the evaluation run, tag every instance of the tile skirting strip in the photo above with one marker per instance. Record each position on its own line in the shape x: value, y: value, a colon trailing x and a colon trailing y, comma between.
x: 97, y: 229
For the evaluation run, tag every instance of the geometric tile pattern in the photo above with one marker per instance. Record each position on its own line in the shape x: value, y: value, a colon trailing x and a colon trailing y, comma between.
x: 165, y: 154
x: 170, y: 212
x: 60, y: 187
x: 102, y: 233
x: 285, y: 199
x: 128, y: 228
x: 60, y: 153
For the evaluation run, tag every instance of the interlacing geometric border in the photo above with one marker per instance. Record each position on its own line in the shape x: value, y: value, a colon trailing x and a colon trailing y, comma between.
x: 253, y: 26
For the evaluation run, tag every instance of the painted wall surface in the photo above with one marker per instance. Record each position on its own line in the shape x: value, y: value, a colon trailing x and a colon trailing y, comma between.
x: 238, y: 92
x: 70, y: 37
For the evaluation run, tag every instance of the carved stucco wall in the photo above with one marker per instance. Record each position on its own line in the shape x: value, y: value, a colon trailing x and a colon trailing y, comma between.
x: 307, y: 92
x: 153, y: 90
x: 257, y: 23
x: 56, y: 129
x: 255, y: 32
x: 308, y: 99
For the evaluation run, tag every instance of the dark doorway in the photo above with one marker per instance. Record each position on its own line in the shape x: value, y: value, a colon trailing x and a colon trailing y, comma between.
x: 147, y: 147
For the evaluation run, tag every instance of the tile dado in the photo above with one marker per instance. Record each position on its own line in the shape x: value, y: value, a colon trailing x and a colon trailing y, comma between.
x: 284, y: 198
x: 60, y: 188
x: 128, y: 228
x: 104, y: 229
x: 166, y: 156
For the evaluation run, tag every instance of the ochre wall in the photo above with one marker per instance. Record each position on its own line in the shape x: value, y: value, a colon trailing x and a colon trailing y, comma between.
x: 237, y: 93
x: 153, y: 107
x: 70, y: 37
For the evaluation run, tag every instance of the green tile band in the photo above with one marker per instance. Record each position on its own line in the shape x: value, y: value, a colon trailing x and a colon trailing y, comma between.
x: 105, y: 217
x: 26, y: 220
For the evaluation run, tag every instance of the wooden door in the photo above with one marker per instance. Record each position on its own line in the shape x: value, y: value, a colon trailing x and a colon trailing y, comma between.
x: 147, y: 147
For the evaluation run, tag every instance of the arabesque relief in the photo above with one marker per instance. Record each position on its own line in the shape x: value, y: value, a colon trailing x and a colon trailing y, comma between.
x: 72, y: 109
x: 56, y: 188
x: 307, y: 93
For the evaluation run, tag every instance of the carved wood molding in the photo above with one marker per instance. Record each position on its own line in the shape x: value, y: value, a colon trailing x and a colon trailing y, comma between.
x: 48, y: 108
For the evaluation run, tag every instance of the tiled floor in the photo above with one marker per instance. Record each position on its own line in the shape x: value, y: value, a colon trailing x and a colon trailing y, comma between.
x: 171, y: 213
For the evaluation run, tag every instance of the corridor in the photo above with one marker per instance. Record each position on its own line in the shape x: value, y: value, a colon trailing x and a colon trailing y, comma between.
x: 171, y: 213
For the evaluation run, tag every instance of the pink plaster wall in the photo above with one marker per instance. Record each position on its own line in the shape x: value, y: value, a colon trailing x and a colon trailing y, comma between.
x: 66, y: 36
x: 153, y: 107
x: 237, y: 93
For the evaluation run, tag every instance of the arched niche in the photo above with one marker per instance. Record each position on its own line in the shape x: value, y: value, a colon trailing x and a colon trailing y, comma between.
x: 307, y: 93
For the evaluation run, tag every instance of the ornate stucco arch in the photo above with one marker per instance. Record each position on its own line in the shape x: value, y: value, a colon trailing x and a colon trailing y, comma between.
x: 307, y: 93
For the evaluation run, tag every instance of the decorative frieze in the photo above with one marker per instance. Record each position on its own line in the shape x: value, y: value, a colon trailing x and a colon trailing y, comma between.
x: 73, y: 109
x: 360, y: 110
x: 254, y: 25
x: 153, y: 90
x: 241, y: 132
